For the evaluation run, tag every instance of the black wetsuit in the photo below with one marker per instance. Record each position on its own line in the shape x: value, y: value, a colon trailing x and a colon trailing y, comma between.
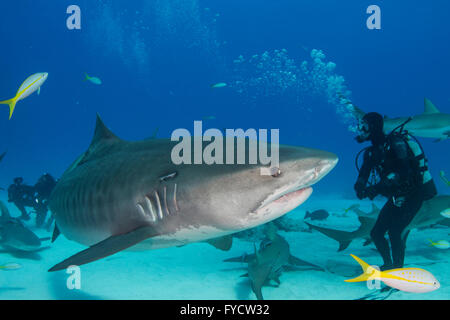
x: 22, y: 196
x: 400, y: 179
x: 43, y: 189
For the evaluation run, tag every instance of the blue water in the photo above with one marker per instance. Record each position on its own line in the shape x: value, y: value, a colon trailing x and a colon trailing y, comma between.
x: 158, y: 58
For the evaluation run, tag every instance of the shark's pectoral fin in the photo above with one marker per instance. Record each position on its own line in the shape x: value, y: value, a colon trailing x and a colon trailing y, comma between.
x: 56, y: 233
x: 244, y: 275
x: 297, y: 263
x: 367, y: 242
x: 222, y: 243
x: 107, y: 247
x: 44, y: 239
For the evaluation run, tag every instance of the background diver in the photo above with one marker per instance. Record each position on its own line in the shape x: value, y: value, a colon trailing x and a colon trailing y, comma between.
x: 35, y: 197
x: 394, y: 166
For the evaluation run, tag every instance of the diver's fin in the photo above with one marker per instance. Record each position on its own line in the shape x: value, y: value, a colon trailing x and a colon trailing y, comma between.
x: 56, y: 233
x: 430, y: 107
x: 107, y: 247
x: 222, y: 243
x: 367, y: 242
x: 294, y: 261
x: 368, y: 271
x: 12, y: 104
x: 340, y: 236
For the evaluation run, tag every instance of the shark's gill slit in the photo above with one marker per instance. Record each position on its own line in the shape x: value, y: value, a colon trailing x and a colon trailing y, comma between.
x: 165, y: 201
x: 150, y: 208
x: 175, y: 197
x: 158, y: 202
x: 140, y: 208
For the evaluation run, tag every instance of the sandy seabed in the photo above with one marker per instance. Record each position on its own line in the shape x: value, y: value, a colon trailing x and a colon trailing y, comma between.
x: 197, y: 271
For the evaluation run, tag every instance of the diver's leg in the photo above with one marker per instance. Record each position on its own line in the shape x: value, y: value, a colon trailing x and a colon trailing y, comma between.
x: 21, y: 207
x: 404, y: 215
x: 378, y: 232
x: 40, y: 217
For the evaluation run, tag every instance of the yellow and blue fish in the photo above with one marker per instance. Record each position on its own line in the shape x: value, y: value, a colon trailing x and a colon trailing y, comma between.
x: 31, y: 84
x: 94, y: 80
x: 441, y: 244
x: 10, y: 266
x: 405, y: 279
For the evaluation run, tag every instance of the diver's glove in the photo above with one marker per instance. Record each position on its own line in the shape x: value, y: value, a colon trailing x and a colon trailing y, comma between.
x: 360, y: 189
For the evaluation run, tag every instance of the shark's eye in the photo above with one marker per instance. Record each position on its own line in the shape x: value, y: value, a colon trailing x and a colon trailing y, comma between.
x: 275, y: 172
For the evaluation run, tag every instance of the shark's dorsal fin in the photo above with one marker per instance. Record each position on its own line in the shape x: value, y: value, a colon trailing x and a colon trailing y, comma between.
x: 430, y: 107
x: 102, y: 134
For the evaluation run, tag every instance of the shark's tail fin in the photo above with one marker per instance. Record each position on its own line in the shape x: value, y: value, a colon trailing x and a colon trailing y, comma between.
x: 368, y: 271
x: 12, y: 104
x: 86, y: 77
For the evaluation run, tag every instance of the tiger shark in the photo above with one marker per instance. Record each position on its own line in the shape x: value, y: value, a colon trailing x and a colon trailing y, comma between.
x: 429, y: 214
x: 430, y: 124
x: 129, y: 195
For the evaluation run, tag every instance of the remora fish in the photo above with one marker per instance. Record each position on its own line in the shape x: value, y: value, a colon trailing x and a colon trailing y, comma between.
x: 121, y: 194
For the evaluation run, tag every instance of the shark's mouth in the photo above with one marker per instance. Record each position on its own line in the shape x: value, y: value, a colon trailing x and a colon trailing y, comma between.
x: 282, y: 203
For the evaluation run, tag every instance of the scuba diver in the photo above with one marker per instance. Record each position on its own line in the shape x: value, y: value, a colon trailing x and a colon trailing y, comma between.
x: 36, y: 197
x: 394, y: 166
x: 22, y: 196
